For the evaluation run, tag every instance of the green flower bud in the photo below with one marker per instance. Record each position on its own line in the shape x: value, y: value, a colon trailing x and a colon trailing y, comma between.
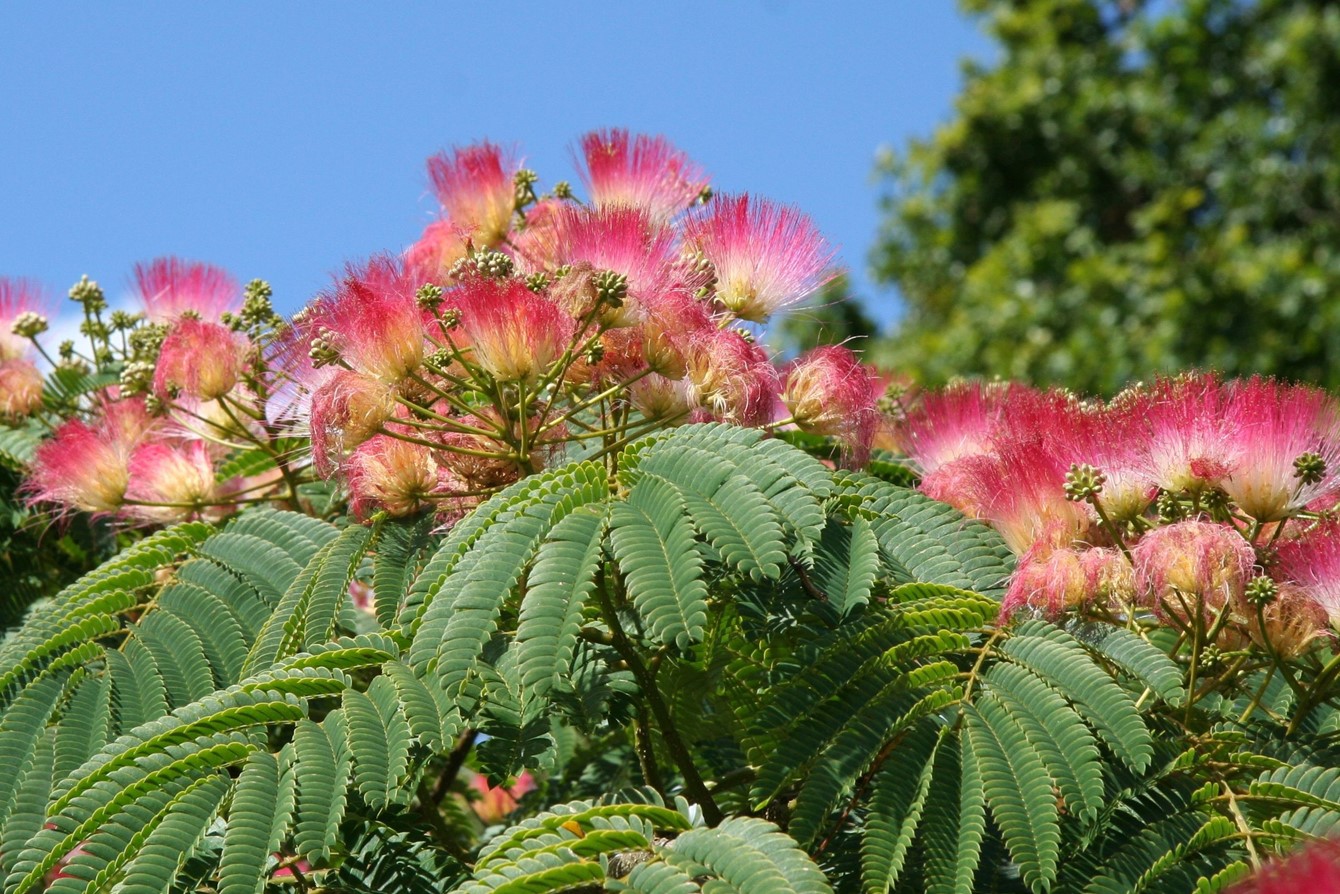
x: 1083, y: 482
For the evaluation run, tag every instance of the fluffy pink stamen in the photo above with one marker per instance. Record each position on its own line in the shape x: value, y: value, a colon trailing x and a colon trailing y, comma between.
x: 172, y: 481
x: 1273, y: 424
x: 767, y: 257
x: 374, y: 320
x: 170, y: 287
x: 731, y: 378
x: 514, y: 334
x: 474, y: 185
x: 830, y: 392
x: 199, y: 359
x: 1189, y: 563
x: 952, y: 423
x: 1190, y: 441
x: 639, y: 171
x: 389, y: 474
x: 20, y: 389
x: 1312, y: 563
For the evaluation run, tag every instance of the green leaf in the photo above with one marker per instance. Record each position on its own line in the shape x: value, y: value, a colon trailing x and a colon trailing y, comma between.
x: 561, y: 580
x: 846, y: 562
x: 898, y: 793
x: 653, y: 542
x: 262, y: 802
x: 1018, y: 790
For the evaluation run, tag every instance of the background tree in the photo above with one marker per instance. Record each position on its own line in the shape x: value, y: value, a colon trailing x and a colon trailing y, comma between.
x: 1130, y: 189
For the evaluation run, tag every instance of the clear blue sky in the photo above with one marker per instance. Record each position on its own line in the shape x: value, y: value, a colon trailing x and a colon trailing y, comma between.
x: 282, y: 139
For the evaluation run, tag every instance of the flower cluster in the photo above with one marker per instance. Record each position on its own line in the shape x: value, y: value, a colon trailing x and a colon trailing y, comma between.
x: 153, y: 444
x: 522, y: 327
x: 1202, y: 503
x: 519, y: 329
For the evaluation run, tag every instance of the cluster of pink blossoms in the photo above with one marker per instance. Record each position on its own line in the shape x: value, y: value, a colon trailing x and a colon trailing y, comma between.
x: 149, y: 450
x: 1206, y: 503
x: 519, y: 329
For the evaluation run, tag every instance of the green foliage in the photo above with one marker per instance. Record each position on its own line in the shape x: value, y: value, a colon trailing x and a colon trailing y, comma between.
x: 1127, y: 189
x: 744, y: 671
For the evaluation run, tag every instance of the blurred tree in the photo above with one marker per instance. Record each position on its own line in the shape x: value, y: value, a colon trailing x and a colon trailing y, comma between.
x: 1132, y: 188
x: 831, y: 317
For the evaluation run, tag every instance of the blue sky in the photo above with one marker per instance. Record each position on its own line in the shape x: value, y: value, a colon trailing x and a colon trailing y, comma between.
x: 282, y: 139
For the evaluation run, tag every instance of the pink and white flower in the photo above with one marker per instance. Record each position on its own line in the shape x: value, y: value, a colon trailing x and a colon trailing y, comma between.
x: 476, y: 189
x: 767, y: 257
x: 639, y: 171
x: 199, y: 359
x: 170, y: 482
x: 828, y: 391
x: 513, y: 333
x: 1274, y: 424
x: 1190, y: 563
x: 169, y: 288
x: 17, y: 297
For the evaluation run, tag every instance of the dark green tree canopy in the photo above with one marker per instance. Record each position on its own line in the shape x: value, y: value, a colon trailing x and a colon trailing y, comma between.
x: 1131, y: 188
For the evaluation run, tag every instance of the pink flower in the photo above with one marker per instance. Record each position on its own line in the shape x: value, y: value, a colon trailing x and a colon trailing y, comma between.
x: 670, y: 328
x: 389, y: 474
x: 954, y: 422
x: 199, y: 359
x: 1313, y: 870
x: 494, y: 803
x: 171, y: 287
x: 441, y: 245
x: 80, y: 467
x: 17, y: 297
x: 1273, y: 424
x: 514, y: 334
x: 1312, y: 565
x: 373, y: 320
x: 766, y: 256
x: 1293, y: 623
x: 1192, y: 562
x: 346, y: 411
x: 731, y: 377
x: 20, y: 389
x: 180, y: 476
x: 623, y: 240
x: 829, y: 392
x: 475, y: 187
x: 657, y: 397
x: 1023, y: 497
x: 1048, y: 580
x: 639, y: 171
x: 1190, y: 440
x: 1111, y: 440
x: 965, y: 483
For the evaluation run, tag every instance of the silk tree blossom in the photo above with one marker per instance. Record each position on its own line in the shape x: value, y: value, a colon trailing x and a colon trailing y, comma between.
x: 1109, y: 439
x: 389, y: 474
x: 170, y: 482
x: 82, y: 467
x: 1315, y: 869
x: 639, y: 171
x: 1048, y: 580
x: 731, y: 378
x: 20, y: 389
x: 1192, y: 562
x: 625, y: 241
x: 372, y: 320
x: 1291, y: 625
x: 475, y: 186
x: 17, y: 298
x: 766, y: 256
x: 828, y: 391
x: 671, y: 327
x: 169, y: 288
x: 442, y: 244
x: 345, y: 411
x: 1311, y: 564
x: 657, y: 397
x: 954, y: 422
x: 1023, y: 496
x: 513, y: 333
x: 1189, y: 435
x: 1274, y: 425
x: 492, y: 803
x: 199, y: 359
